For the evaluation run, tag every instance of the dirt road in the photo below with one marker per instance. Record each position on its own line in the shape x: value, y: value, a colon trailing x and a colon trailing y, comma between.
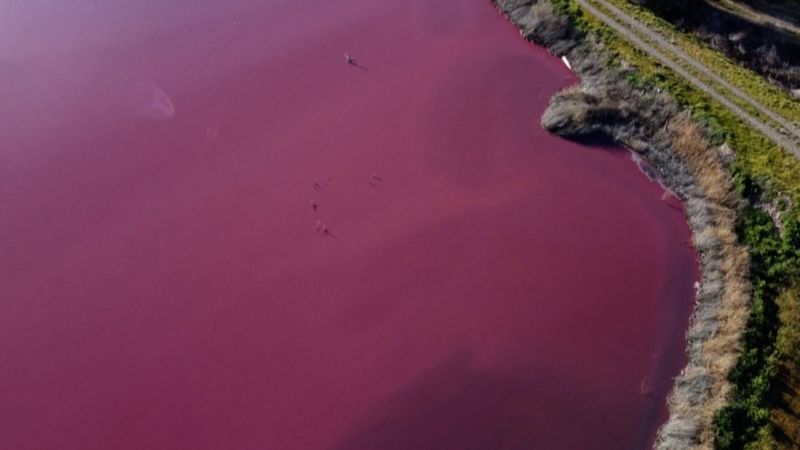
x: 783, y: 132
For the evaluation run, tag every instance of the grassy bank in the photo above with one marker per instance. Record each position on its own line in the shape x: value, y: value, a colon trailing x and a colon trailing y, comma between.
x: 765, y: 175
x: 615, y: 101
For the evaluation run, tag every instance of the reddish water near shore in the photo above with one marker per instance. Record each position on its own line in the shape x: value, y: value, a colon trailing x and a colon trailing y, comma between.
x: 217, y: 234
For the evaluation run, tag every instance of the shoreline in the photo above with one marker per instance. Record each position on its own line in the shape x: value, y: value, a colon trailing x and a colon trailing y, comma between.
x: 652, y: 125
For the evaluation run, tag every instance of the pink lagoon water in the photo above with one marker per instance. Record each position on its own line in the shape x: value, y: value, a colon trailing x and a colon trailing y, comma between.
x: 215, y: 233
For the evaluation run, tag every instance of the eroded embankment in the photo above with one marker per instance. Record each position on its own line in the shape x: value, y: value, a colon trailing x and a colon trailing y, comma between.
x: 652, y: 124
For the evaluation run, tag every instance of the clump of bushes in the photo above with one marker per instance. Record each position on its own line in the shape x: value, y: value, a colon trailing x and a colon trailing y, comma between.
x: 775, y: 264
x: 789, y: 333
x: 542, y: 23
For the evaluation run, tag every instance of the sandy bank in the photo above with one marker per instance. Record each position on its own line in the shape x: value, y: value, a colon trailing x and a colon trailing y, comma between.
x: 652, y: 124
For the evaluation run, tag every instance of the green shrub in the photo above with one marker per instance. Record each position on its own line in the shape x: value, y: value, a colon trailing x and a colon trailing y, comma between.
x: 789, y: 333
x: 744, y: 423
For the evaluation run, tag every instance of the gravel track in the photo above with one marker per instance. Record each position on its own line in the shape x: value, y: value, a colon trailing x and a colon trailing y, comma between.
x: 629, y: 27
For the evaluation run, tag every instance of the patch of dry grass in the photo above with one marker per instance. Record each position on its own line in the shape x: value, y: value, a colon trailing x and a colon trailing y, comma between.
x: 785, y: 415
x: 720, y: 351
x: 651, y: 124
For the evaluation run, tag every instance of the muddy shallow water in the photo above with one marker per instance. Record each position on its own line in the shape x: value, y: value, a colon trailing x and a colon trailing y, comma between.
x: 218, y: 234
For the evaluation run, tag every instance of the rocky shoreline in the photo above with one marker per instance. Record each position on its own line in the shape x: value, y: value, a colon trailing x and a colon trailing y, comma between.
x: 652, y: 124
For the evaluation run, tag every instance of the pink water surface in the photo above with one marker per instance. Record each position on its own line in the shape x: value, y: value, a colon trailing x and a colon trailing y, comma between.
x: 217, y: 234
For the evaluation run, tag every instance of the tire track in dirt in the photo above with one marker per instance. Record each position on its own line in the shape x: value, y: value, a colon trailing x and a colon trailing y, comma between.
x: 621, y: 19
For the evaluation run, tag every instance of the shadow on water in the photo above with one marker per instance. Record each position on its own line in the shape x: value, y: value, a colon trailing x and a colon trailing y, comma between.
x: 599, y: 141
x: 455, y: 406
x: 596, y: 139
x: 460, y: 406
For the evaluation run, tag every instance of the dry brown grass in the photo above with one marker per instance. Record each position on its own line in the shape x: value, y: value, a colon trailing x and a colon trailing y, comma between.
x: 721, y: 350
x: 785, y: 416
x: 651, y: 124
x: 711, y: 176
x: 789, y: 333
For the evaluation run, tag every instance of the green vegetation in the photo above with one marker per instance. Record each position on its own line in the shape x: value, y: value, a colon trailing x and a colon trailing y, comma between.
x: 789, y: 333
x: 745, y: 422
x: 762, y: 172
x: 743, y: 30
x: 748, y: 81
x: 758, y: 158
